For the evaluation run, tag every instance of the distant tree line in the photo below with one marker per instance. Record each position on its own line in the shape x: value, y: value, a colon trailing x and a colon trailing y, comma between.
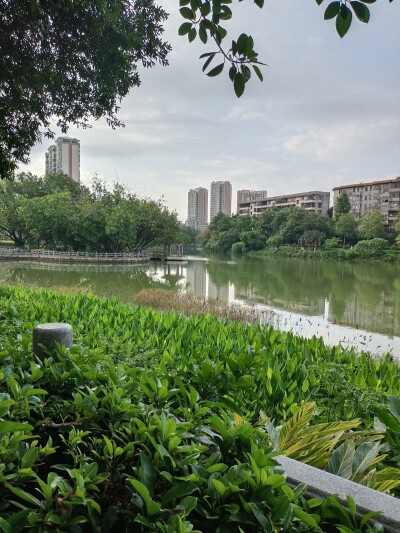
x: 293, y: 226
x: 55, y: 212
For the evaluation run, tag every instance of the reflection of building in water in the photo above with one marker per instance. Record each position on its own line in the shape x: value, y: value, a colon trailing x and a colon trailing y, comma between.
x: 219, y: 293
x: 196, y: 278
x: 361, y: 314
x: 251, y: 296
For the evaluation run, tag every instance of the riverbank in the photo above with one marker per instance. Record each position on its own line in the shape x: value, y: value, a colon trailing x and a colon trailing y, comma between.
x: 164, y: 408
x: 356, y: 252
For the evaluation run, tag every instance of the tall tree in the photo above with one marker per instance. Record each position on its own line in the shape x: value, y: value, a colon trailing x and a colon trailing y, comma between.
x: 73, y: 60
x: 342, y: 206
x: 372, y: 225
x: 346, y: 227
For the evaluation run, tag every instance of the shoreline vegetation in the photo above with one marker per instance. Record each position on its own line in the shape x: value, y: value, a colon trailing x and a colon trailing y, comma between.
x: 363, y: 250
x: 170, y: 423
x: 187, y: 305
x: 296, y: 231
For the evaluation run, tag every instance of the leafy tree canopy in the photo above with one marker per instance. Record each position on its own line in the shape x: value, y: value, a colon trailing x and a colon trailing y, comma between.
x: 372, y: 226
x: 346, y: 227
x: 54, y: 211
x: 342, y: 206
x: 73, y: 60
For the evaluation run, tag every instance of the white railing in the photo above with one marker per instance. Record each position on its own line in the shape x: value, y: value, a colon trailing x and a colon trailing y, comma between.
x: 51, y: 253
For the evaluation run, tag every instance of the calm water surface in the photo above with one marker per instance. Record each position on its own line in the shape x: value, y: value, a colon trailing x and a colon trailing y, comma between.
x: 355, y: 303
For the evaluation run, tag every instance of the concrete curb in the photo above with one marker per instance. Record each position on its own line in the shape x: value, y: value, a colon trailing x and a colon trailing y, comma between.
x: 322, y: 484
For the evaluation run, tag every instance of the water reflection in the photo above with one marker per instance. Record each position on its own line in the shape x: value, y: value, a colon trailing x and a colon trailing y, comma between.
x: 363, y: 296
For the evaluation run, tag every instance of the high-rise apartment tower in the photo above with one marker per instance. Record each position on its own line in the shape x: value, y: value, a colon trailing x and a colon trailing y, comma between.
x: 64, y: 156
x: 221, y: 198
x: 198, y: 208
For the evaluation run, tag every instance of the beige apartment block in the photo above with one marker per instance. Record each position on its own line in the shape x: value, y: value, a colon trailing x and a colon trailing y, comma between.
x: 64, y: 156
x: 383, y: 196
x: 198, y: 208
x: 314, y: 201
x: 244, y: 196
x: 221, y: 198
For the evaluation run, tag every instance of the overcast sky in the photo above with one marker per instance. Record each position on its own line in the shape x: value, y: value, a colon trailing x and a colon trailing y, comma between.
x: 327, y: 113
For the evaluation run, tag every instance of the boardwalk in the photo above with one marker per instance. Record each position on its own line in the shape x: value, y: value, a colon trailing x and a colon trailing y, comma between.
x: 10, y: 254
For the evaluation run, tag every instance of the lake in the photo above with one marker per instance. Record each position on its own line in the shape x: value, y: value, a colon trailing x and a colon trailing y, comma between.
x: 355, y: 303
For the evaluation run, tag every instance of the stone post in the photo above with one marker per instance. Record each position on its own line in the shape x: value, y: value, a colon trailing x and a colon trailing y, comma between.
x: 50, y: 334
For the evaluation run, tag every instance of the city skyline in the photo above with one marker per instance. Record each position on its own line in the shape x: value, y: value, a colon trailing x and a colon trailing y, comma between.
x: 326, y: 114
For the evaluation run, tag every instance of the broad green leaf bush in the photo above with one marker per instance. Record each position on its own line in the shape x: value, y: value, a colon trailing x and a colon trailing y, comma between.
x: 153, y: 421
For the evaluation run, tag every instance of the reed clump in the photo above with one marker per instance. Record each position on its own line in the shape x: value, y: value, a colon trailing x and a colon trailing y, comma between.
x: 188, y: 304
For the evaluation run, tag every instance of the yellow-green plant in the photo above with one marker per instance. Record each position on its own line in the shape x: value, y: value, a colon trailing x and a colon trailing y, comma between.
x: 355, y: 458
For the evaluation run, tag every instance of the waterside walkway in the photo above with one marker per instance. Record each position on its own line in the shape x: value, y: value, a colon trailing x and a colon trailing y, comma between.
x: 10, y: 254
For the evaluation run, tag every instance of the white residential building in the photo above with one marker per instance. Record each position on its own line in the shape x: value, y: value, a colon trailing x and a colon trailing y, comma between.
x: 221, y: 198
x: 198, y: 208
x: 64, y: 156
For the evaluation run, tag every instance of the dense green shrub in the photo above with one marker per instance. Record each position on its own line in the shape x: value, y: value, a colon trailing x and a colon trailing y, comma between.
x: 238, y: 248
x: 331, y: 244
x: 169, y: 439
x: 371, y: 248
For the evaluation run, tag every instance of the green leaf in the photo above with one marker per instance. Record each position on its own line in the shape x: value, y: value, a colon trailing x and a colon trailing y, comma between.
x: 182, y: 489
x: 10, y: 427
x: 258, y: 72
x: 187, y: 504
x: 208, y: 61
x: 29, y: 458
x: 352, y: 506
x: 151, y: 506
x: 368, y: 517
x: 242, y: 43
x: 239, y: 84
x: 332, y: 10
x: 387, y: 419
x: 192, y: 35
x: 307, y: 518
x: 18, y: 521
x: 394, y: 406
x: 203, y: 34
x: 219, y: 486
x: 5, y: 526
x: 259, y: 3
x: 216, y: 70
x: 185, y: 28
x: 319, y: 2
x: 187, y: 13
x: 205, y: 9
x: 341, y: 462
x: 261, y: 518
x: 148, y: 472
x: 24, y: 495
x: 343, y: 21
x: 363, y: 456
x: 361, y: 11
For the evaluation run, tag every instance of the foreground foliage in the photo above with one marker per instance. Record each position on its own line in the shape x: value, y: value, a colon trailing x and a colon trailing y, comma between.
x: 165, y: 423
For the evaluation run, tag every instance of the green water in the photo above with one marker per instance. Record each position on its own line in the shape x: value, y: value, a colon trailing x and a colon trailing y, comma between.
x: 361, y: 295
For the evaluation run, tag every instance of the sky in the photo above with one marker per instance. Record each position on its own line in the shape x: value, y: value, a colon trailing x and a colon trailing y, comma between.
x: 327, y: 113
